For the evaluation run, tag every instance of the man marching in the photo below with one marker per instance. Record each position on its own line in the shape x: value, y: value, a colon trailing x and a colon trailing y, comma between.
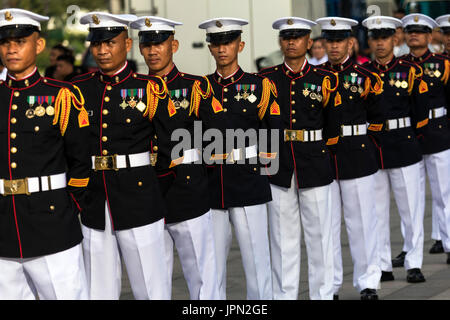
x: 125, y: 208
x: 301, y: 188
x: 184, y: 182
x: 435, y: 138
x: 238, y: 191
x: 44, y: 171
x: 398, y: 149
x: 353, y: 157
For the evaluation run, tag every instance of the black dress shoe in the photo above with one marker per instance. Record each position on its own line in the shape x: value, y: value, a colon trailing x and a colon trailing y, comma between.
x: 414, y: 276
x: 369, y: 294
x: 437, y: 247
x: 448, y: 257
x: 387, y: 276
x: 335, y: 297
x: 399, y: 260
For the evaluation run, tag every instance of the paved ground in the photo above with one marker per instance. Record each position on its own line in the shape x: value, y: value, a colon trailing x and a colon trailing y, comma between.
x: 435, y: 269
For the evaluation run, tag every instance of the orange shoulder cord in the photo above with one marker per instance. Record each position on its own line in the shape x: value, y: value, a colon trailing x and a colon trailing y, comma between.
x: 198, y: 94
x: 326, y: 89
x: 446, y: 72
x: 265, y: 97
x: 153, y: 97
x: 63, y: 105
x: 376, y: 89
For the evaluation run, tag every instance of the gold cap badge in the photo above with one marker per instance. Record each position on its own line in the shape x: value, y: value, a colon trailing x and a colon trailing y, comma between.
x: 378, y: 21
x: 333, y: 23
x: 290, y: 22
x: 219, y: 24
x: 148, y: 23
x: 95, y: 19
x: 8, y: 16
x: 416, y: 18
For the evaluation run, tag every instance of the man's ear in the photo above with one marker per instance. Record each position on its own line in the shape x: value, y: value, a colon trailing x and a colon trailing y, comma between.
x: 241, y: 46
x: 429, y: 37
x: 175, y: 46
x: 310, y: 43
x: 40, y: 45
x: 129, y: 44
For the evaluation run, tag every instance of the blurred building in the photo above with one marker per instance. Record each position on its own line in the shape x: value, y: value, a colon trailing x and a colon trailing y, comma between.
x: 261, y: 40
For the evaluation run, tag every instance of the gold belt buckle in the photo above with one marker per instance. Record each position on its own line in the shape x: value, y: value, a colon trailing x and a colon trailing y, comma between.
x: 16, y: 187
x: 153, y: 159
x: 294, y: 135
x: 104, y: 163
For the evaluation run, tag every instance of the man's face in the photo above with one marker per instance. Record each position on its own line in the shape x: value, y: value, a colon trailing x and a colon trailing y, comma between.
x: 110, y: 55
x: 63, y: 68
x: 159, y: 56
x: 54, y: 54
x: 318, y: 49
x: 446, y: 39
x: 19, y: 54
x: 294, y: 48
x: 338, y: 49
x: 417, y: 39
x: 399, y: 36
x: 227, y: 53
x: 382, y: 47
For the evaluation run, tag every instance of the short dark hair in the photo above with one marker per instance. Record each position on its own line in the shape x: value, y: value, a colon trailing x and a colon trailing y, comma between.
x: 63, y: 49
x: 67, y: 58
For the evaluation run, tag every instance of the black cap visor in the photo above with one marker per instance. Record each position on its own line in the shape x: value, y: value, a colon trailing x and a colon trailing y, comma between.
x: 154, y: 37
x: 17, y: 31
x: 445, y: 30
x: 336, y: 34
x: 104, y: 34
x: 223, y: 37
x: 381, y: 33
x: 419, y: 28
x: 293, y: 33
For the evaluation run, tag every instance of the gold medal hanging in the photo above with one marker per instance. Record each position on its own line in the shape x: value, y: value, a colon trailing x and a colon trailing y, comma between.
x: 40, y: 110
x: 252, y: 98
x: 50, y: 110
x: 30, y: 112
x: 141, y: 105
x: 185, y: 103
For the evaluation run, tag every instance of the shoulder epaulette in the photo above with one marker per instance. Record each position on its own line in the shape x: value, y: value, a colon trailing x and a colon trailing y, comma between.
x: 268, y: 70
x: 83, y: 77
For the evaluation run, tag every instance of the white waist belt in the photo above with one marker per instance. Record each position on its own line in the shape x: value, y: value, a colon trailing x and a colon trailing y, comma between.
x: 238, y: 154
x: 312, y: 136
x: 191, y: 156
x: 398, y: 123
x: 354, y: 130
x: 136, y: 160
x: 437, y: 113
x: 47, y: 183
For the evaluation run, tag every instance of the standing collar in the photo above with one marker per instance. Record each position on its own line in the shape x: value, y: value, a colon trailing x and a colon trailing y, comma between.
x: 341, y: 66
x: 173, y: 73
x: 423, y: 57
x: 26, y: 82
x: 230, y: 79
x: 387, y: 66
x: 118, y: 77
x: 289, y: 72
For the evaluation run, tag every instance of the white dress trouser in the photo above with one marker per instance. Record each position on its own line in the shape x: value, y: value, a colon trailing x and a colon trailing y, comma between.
x: 406, y: 186
x: 143, y: 252
x: 313, y: 205
x: 194, y: 240
x: 358, y: 205
x: 251, y: 229
x: 437, y: 167
x: 59, y: 276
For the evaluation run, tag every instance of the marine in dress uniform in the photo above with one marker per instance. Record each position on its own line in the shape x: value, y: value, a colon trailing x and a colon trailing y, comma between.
x: 183, y: 180
x: 435, y: 137
x: 399, y: 151
x: 444, y: 25
x: 353, y: 157
x: 44, y: 171
x: 238, y: 191
x: 302, y: 185
x: 124, y: 208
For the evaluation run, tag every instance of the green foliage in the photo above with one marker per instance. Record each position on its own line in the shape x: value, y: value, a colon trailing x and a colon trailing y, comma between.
x: 57, y: 9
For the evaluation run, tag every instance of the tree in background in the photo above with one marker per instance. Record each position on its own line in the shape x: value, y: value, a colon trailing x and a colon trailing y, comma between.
x: 55, y: 31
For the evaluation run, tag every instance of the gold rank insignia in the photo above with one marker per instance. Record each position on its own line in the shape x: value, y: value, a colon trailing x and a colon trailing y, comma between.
x: 8, y: 16
x: 95, y: 19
